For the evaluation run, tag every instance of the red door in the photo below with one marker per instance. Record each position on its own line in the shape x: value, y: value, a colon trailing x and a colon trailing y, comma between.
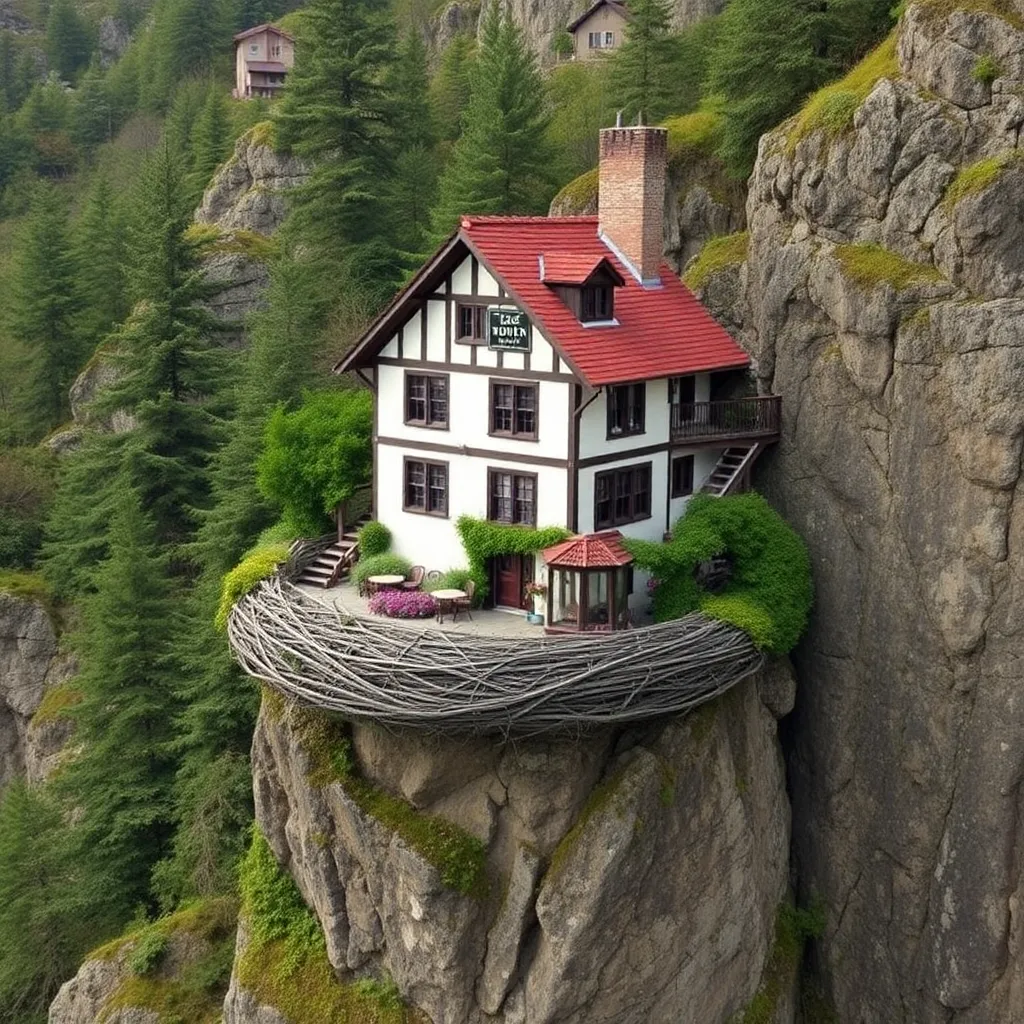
x: 508, y: 581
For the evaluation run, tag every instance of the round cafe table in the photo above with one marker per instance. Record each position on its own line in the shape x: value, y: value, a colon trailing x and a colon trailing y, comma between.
x: 386, y: 582
x: 445, y: 600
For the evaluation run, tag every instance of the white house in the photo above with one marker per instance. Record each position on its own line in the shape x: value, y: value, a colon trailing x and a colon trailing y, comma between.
x: 555, y: 371
x: 263, y: 57
x: 599, y: 29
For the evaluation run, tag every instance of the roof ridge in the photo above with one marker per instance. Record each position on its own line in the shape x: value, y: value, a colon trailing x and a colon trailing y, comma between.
x: 512, y: 218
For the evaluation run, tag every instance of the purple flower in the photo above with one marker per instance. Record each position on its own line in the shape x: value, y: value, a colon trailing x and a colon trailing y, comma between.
x: 403, y: 604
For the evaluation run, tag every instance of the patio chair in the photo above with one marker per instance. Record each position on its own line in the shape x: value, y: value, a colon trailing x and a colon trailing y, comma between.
x: 415, y: 580
x: 464, y: 604
x: 434, y: 575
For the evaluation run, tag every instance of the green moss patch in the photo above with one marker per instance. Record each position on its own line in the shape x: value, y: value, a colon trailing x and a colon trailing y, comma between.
x: 831, y: 108
x: 977, y: 177
x: 579, y: 194
x: 999, y: 8
x: 285, y: 962
x: 601, y: 798
x: 459, y: 857
x: 210, y: 240
x: 717, y: 254
x: 55, y: 703
x: 692, y: 135
x: 28, y: 585
x: 870, y: 265
x: 264, y: 133
x: 256, y: 566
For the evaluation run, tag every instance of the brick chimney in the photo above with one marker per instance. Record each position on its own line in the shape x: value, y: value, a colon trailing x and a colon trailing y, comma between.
x: 631, y: 196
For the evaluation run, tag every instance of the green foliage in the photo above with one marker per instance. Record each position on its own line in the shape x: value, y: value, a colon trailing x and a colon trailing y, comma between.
x: 692, y: 135
x: 459, y: 857
x: 986, y: 70
x: 380, y: 565
x: 374, y: 539
x: 770, y: 591
x: 317, y: 457
x: 717, y: 254
x: 67, y: 39
x: 453, y: 579
x: 451, y: 87
x: 26, y: 489
x: 976, y: 177
x: 211, y: 140
x: 255, y: 567
x: 580, y: 100
x: 56, y: 703
x: 869, y: 265
x: 483, y: 540
x: 501, y: 162
x: 579, y: 195
x: 147, y: 952
x: 644, y: 67
x: 831, y: 109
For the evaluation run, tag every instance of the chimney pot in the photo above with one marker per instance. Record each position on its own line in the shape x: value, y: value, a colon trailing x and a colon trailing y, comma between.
x: 631, y: 196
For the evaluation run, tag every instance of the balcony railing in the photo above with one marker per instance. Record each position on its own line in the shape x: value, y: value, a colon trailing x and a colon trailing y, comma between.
x: 738, y: 418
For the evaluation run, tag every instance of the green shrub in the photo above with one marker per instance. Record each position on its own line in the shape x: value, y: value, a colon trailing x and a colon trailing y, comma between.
x: 317, y: 457
x: 986, y: 70
x: 26, y: 488
x: 147, y: 952
x: 256, y: 566
x: 453, y: 579
x: 280, y: 533
x: 374, y: 539
x: 381, y: 565
x: 693, y: 135
x: 769, y: 594
x: 483, y: 540
x: 718, y: 253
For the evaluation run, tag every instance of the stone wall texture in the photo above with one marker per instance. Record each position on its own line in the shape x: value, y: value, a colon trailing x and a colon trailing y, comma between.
x: 901, y: 466
x: 658, y: 909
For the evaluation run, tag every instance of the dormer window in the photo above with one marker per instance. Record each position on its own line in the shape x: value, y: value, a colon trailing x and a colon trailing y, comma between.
x: 596, y: 303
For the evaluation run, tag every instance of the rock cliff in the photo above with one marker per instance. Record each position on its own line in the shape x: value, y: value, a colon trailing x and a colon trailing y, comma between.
x: 624, y: 877
x: 881, y: 297
x: 31, y: 667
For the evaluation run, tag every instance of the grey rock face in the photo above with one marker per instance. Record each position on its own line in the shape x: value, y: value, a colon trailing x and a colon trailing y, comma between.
x: 900, y: 464
x: 100, y: 374
x: 113, y: 39
x: 634, y: 876
x: 30, y: 664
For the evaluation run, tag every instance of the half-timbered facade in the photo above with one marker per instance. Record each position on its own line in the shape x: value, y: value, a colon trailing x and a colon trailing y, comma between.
x: 555, y: 371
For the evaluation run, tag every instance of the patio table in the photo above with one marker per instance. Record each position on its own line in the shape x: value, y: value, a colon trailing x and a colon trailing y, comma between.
x: 384, y: 582
x: 445, y: 600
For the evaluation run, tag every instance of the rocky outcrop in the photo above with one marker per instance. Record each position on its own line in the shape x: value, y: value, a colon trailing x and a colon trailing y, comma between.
x: 633, y: 876
x: 11, y: 18
x: 31, y: 665
x: 112, y: 39
x: 882, y: 299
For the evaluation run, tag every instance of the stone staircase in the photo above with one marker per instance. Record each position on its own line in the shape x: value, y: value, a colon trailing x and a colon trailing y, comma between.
x: 332, y: 564
x: 732, y: 469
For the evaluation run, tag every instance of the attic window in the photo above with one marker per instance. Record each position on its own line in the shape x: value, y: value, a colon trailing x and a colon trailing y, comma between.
x: 596, y: 303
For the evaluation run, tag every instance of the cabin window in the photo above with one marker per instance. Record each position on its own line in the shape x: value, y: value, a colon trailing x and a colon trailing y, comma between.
x: 512, y: 497
x: 626, y: 406
x: 609, y: 38
x: 622, y: 496
x: 426, y: 400
x: 596, y: 303
x: 514, y: 410
x: 254, y: 48
x: 426, y: 487
x: 682, y: 476
x: 471, y: 322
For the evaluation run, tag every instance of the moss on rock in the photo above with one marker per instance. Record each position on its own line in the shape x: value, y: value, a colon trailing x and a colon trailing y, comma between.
x: 692, y: 135
x: 580, y: 194
x: 869, y: 265
x: 719, y: 253
x: 977, y: 177
x: 55, y: 703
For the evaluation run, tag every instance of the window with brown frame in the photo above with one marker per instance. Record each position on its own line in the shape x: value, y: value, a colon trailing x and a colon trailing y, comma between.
x: 512, y: 497
x: 426, y: 487
x: 622, y: 496
x: 682, y: 476
x: 626, y: 409
x: 426, y: 400
x: 596, y: 303
x: 470, y: 322
x: 514, y: 410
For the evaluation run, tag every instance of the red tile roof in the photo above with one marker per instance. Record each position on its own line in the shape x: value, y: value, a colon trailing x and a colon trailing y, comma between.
x: 658, y: 332
x: 570, y: 267
x: 591, y: 551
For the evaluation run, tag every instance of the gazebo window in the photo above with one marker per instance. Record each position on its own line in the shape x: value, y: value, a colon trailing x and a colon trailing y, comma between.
x: 589, y: 583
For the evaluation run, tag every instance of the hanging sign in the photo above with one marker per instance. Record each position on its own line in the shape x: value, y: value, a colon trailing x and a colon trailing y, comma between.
x: 508, y: 330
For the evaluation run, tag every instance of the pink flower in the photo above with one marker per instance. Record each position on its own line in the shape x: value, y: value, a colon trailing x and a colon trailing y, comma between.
x: 403, y: 604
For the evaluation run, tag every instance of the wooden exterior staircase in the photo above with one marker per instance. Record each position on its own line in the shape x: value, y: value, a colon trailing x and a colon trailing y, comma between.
x: 332, y: 563
x: 733, y: 470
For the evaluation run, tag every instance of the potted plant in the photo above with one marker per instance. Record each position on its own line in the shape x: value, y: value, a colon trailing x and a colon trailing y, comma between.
x: 536, y: 592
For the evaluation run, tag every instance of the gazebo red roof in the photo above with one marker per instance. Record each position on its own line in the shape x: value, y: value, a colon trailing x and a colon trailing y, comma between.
x: 590, y: 551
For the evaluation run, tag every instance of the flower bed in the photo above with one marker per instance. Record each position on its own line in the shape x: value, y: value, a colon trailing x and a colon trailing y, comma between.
x: 403, y: 604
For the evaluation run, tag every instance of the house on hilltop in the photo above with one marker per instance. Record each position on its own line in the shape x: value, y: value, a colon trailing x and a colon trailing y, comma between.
x: 600, y: 28
x: 263, y: 57
x: 556, y: 372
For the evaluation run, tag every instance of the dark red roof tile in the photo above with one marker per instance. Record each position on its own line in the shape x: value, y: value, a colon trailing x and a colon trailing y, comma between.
x: 590, y: 551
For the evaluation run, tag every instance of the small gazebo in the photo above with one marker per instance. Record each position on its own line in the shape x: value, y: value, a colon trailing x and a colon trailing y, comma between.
x: 590, y: 579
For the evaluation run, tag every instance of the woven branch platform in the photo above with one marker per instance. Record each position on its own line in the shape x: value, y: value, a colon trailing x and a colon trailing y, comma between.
x: 401, y: 674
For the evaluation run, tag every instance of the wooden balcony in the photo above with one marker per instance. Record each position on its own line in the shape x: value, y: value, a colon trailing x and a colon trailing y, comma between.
x: 733, y: 420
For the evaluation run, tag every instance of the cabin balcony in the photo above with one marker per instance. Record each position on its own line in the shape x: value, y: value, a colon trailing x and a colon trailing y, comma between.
x: 732, y: 420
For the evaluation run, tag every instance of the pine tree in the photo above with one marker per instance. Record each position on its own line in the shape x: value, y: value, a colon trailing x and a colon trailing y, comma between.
x: 93, y: 120
x: 43, y: 308
x: 645, y: 64
x: 211, y: 140
x: 451, y: 87
x: 120, y: 781
x: 99, y: 251
x: 189, y: 38
x: 501, y: 162
x: 336, y: 112
x: 67, y: 40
